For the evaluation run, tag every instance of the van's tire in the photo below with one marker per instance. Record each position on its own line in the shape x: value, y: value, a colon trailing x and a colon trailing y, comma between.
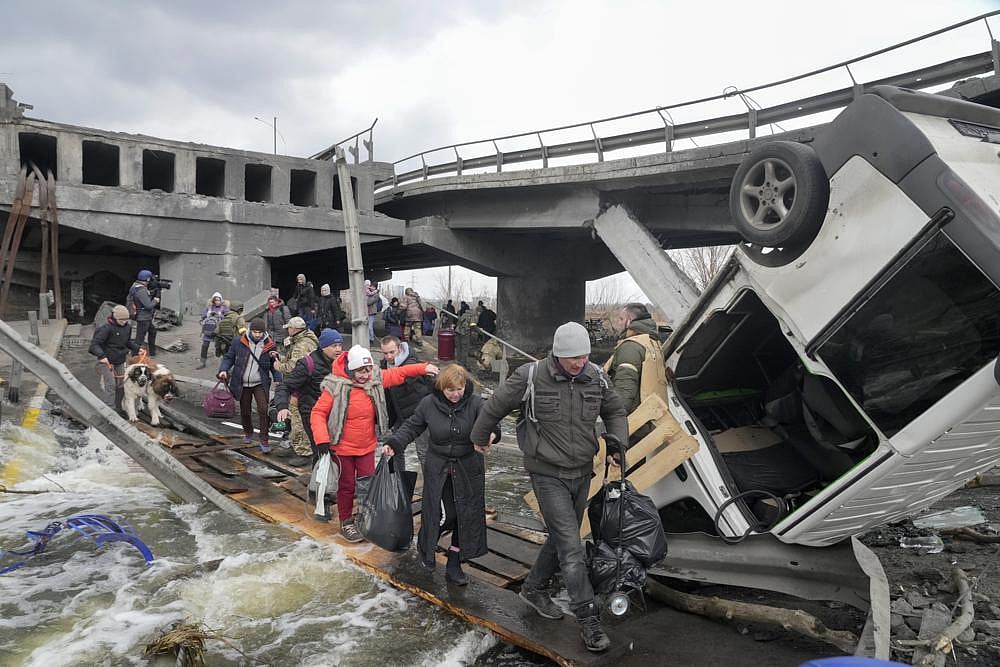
x: 779, y: 196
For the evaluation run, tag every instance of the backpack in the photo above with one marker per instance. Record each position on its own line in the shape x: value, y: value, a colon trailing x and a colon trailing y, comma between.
x: 210, y: 325
x: 227, y: 326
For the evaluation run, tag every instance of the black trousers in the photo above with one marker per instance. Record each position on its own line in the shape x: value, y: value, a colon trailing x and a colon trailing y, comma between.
x: 145, y: 329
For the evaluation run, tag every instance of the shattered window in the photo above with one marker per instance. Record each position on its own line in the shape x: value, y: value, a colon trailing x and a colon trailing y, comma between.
x: 932, y: 325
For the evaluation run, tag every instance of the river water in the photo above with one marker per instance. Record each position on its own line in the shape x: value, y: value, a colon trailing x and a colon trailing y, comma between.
x: 279, y: 599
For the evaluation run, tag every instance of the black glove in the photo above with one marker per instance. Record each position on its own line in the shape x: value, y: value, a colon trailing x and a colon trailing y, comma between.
x: 614, y: 447
x: 397, y: 447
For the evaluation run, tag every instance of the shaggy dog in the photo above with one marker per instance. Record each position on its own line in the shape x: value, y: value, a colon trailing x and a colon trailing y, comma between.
x: 149, y: 381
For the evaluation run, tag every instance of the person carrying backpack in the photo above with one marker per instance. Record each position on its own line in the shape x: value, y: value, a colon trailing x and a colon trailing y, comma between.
x: 560, y: 398
x: 276, y: 318
x: 142, y: 305
x: 231, y: 326
x: 210, y: 320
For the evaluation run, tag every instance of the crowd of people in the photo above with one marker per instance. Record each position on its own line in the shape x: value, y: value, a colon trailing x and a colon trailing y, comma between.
x: 344, y: 403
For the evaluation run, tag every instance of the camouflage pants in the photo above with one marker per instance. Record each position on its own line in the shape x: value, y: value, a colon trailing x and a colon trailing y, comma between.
x: 298, y: 437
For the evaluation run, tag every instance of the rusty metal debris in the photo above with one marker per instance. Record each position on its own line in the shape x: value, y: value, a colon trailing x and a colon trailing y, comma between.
x: 48, y: 218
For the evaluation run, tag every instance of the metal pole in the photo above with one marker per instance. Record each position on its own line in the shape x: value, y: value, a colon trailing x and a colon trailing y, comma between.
x: 102, y: 418
x: 355, y: 264
x: 275, y: 128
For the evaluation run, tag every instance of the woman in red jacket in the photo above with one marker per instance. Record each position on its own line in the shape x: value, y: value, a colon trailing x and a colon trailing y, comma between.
x: 349, y: 417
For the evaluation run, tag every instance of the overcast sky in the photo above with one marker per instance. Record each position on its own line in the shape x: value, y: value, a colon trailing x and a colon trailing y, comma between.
x: 435, y: 73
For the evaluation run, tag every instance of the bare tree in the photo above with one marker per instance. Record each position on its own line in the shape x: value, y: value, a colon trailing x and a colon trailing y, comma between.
x: 702, y: 263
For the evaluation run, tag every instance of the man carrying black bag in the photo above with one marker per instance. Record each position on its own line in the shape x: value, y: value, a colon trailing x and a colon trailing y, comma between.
x: 561, y: 397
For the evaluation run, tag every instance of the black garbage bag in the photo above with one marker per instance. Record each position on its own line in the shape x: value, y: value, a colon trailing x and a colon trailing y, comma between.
x: 641, y: 532
x: 606, y: 575
x: 384, y: 516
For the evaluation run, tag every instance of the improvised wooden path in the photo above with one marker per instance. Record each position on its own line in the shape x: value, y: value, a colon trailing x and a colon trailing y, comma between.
x: 276, y: 492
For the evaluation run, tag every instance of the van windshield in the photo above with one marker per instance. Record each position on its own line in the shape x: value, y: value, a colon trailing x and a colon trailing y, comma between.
x: 930, y: 326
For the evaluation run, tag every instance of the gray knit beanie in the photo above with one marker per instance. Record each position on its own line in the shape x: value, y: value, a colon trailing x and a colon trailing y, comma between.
x: 571, y: 340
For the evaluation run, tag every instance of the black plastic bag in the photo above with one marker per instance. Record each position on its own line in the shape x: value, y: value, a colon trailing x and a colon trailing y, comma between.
x: 384, y: 516
x: 606, y: 576
x: 641, y: 533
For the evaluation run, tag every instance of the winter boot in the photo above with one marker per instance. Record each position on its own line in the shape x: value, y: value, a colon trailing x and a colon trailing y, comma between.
x: 540, y: 601
x: 453, y: 570
x: 203, y: 363
x: 593, y: 635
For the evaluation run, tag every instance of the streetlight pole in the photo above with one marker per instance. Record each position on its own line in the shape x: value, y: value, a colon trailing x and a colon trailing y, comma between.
x: 274, y: 128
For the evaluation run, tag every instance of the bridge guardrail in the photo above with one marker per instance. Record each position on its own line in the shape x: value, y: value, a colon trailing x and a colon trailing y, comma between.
x: 668, y: 132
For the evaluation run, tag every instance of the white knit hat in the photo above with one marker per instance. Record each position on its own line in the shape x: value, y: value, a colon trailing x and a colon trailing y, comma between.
x: 571, y: 340
x: 358, y: 357
x: 324, y: 290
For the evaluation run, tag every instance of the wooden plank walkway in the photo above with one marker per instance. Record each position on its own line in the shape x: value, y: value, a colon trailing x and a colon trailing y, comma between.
x: 489, y: 601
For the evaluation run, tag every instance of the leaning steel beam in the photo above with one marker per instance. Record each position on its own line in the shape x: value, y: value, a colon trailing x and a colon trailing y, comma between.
x: 761, y: 561
x: 649, y: 265
x: 126, y: 437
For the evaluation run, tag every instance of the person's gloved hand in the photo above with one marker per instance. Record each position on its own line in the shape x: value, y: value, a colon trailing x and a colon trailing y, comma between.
x: 616, y: 452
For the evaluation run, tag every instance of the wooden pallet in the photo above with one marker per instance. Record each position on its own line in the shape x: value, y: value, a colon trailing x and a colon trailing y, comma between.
x: 651, y: 459
x: 489, y: 600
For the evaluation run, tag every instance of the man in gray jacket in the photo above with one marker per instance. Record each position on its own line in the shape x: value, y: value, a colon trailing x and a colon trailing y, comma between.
x: 560, y: 398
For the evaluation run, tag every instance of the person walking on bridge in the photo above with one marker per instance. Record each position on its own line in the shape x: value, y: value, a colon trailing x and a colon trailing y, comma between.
x: 561, y: 398
x: 350, y: 417
x: 304, y: 382
x: 414, y: 309
x: 454, y: 472
x: 299, y: 342
x: 111, y: 344
x: 403, y: 399
x: 305, y: 300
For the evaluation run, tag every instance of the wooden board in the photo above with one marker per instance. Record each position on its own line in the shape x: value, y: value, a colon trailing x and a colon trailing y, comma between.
x: 486, y: 601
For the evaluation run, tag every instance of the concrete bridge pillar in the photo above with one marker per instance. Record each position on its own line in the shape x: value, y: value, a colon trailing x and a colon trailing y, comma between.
x: 196, y: 276
x: 529, y: 308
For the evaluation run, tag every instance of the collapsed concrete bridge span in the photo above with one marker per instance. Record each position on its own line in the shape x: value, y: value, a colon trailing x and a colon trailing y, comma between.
x: 207, y: 217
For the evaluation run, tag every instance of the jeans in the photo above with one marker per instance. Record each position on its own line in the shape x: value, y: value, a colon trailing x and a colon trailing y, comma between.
x: 112, y: 384
x: 371, y: 328
x: 562, y: 503
x: 204, y: 349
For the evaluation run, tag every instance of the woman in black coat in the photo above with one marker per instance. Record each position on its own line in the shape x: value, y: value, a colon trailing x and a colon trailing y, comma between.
x: 454, y: 471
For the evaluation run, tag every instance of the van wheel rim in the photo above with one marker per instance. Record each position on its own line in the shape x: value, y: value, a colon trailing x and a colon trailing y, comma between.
x: 767, y: 193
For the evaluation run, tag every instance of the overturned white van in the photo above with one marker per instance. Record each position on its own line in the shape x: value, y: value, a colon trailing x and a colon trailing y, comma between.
x: 841, y: 371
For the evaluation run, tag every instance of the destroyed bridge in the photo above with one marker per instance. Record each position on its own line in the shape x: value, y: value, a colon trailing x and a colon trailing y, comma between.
x: 542, y: 217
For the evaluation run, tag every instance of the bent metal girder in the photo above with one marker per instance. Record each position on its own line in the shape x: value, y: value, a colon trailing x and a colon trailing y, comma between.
x: 158, y: 463
x: 17, y: 221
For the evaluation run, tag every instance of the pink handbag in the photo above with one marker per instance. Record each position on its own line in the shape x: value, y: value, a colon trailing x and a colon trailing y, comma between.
x: 219, y: 402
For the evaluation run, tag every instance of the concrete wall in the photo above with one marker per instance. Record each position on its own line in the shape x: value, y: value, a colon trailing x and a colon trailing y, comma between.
x: 69, y: 163
x: 196, y: 276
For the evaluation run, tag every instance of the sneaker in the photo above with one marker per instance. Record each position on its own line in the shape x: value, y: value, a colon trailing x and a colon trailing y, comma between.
x: 593, y: 635
x: 541, y: 602
x: 247, y: 440
x: 350, y: 533
x: 264, y: 447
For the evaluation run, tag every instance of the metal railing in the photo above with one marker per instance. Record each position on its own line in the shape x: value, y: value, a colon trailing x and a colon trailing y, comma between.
x: 369, y: 143
x: 667, y: 132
